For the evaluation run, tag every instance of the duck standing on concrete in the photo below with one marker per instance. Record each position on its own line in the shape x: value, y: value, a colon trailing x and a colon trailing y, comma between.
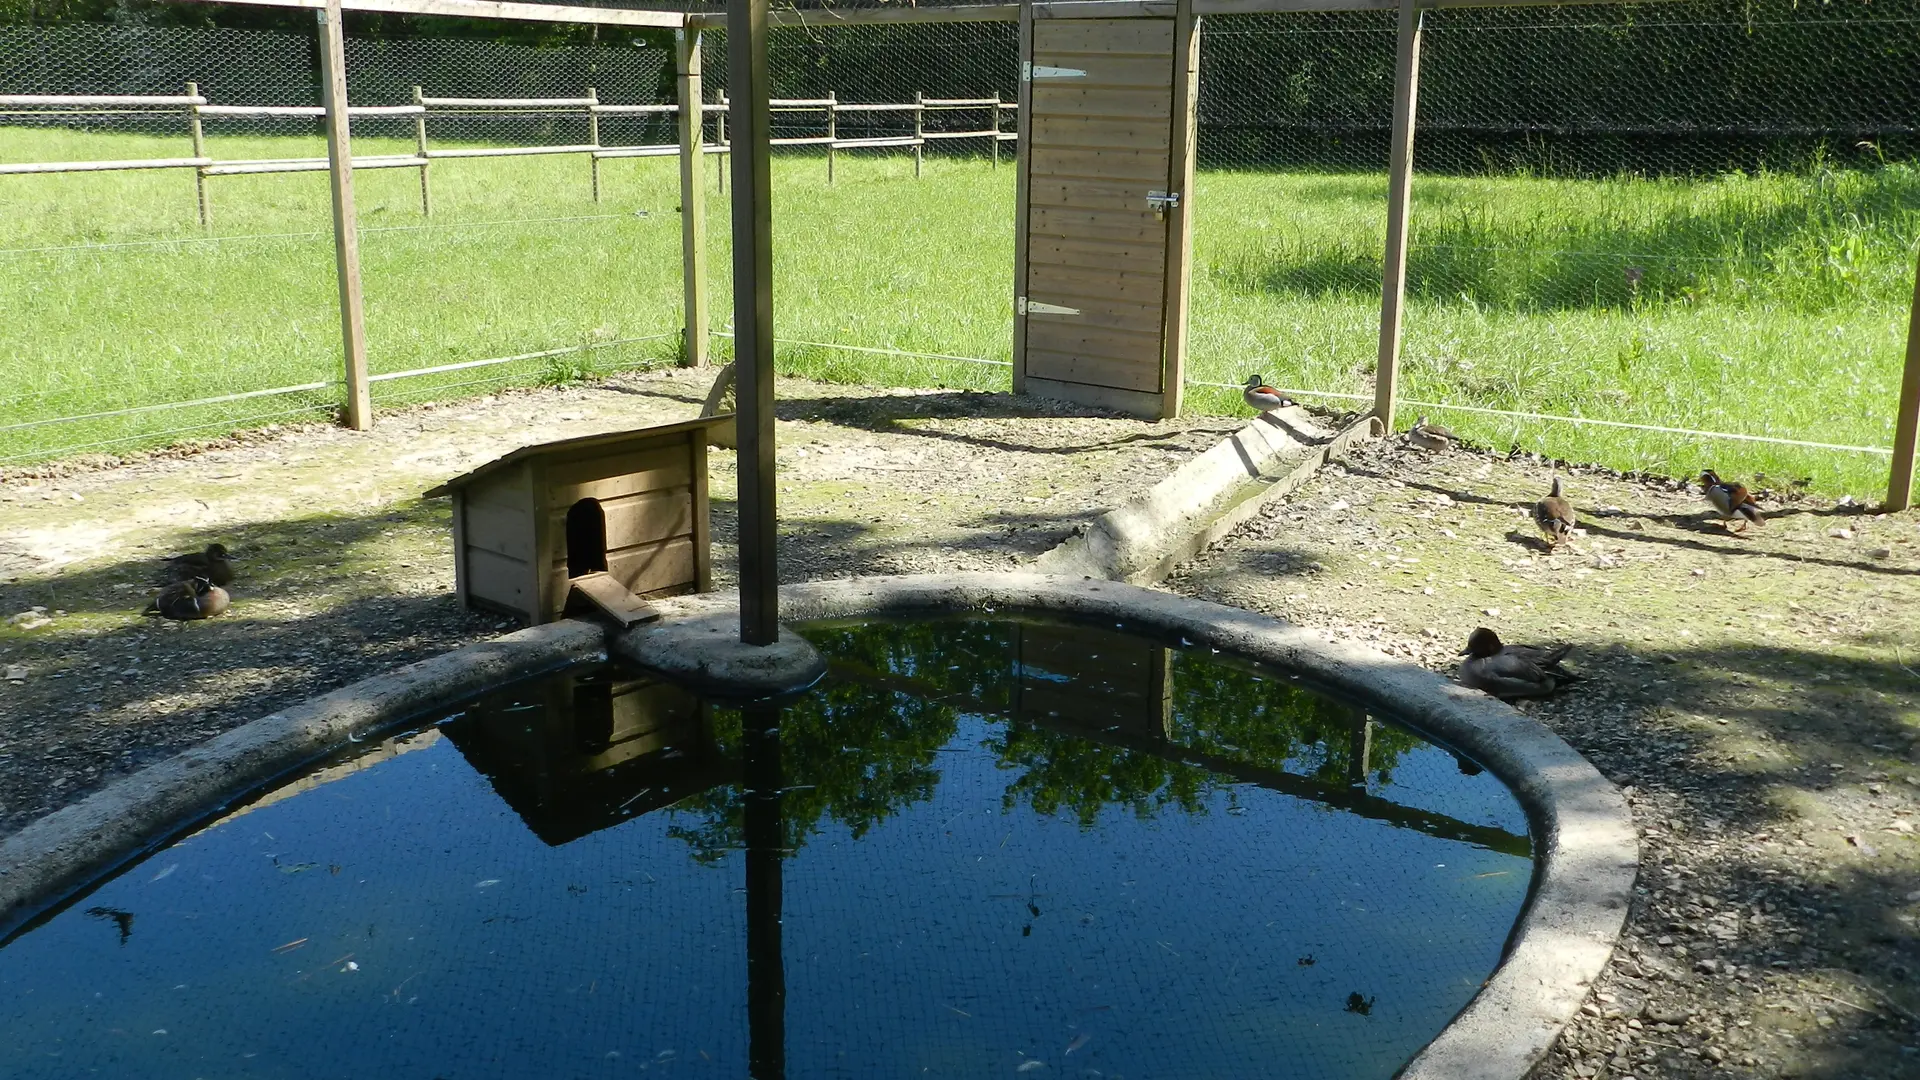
x: 1731, y: 500
x: 214, y: 564
x: 1553, y: 516
x: 1513, y: 671
x: 195, y: 598
x: 1428, y: 436
x: 1262, y: 398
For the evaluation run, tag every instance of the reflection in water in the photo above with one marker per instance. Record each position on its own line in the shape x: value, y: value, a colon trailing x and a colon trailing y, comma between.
x: 975, y: 847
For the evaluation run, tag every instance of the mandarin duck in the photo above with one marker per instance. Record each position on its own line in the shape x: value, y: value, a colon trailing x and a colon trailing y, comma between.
x: 1428, y: 436
x: 1553, y: 516
x: 195, y: 598
x: 1513, y: 671
x: 1262, y: 398
x: 1731, y: 500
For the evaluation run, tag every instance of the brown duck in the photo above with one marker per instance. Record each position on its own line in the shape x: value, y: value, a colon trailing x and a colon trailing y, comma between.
x: 214, y: 564
x: 1513, y: 671
x: 195, y: 598
x: 1553, y: 516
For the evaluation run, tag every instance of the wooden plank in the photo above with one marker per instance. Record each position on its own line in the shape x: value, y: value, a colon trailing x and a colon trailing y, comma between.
x: 1140, y: 376
x: 1131, y: 402
x: 1179, y: 219
x: 1116, y: 71
x: 628, y: 472
x: 1393, y: 293
x: 502, y: 530
x: 1098, y: 288
x: 648, y: 517
x: 199, y: 140
x: 693, y: 201
x: 1906, y: 424
x: 1135, y: 165
x: 506, y: 582
x: 1100, y: 132
x: 1098, y: 224
x: 460, y: 547
x: 346, y: 228
x: 1022, y: 197
x: 1119, y: 199
x: 1150, y: 37
x: 1142, y: 103
x: 489, y: 9
x: 661, y: 569
x: 544, y: 601
x: 602, y: 593
x: 1077, y: 251
x: 1100, y: 307
x: 702, y: 524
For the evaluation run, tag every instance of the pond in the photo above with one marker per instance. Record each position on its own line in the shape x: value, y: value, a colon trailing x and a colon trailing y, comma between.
x: 978, y: 848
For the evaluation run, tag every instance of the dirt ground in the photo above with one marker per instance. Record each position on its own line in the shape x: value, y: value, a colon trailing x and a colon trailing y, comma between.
x: 346, y: 571
x: 1757, y: 696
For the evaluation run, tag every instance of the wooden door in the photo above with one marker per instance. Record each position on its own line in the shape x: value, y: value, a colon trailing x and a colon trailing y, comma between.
x: 1106, y: 164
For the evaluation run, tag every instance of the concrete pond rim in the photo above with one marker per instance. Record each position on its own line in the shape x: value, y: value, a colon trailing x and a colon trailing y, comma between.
x: 1586, y: 853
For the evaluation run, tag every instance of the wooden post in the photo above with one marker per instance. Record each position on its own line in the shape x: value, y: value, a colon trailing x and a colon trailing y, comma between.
x: 1359, y: 749
x: 721, y: 161
x: 753, y: 321
x: 593, y: 137
x: 199, y: 151
x: 996, y: 129
x: 1022, y: 154
x: 420, y: 148
x: 1393, y: 286
x: 833, y: 131
x: 346, y: 231
x: 1906, y: 425
x: 919, y: 130
x: 1186, y: 92
x: 693, y: 198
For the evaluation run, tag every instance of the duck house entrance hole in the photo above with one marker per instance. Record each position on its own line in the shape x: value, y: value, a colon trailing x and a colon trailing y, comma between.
x: 586, y: 538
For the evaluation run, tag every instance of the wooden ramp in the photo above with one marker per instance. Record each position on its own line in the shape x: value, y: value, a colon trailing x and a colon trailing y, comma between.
x: 600, y: 593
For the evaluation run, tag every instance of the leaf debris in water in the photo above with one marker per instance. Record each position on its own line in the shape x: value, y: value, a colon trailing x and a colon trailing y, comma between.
x: 1079, y: 1041
x: 1031, y: 1064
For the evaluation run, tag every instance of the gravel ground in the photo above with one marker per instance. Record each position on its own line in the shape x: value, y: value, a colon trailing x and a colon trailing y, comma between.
x: 1756, y: 696
x: 346, y: 571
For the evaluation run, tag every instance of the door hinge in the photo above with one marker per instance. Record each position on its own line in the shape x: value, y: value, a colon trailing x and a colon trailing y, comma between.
x: 1034, y: 307
x: 1162, y: 201
x: 1030, y: 71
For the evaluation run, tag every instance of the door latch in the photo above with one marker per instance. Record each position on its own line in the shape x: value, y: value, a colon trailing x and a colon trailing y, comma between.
x: 1162, y: 201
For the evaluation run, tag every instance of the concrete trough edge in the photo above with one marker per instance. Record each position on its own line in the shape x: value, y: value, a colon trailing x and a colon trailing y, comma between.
x: 80, y: 844
x: 1586, y: 851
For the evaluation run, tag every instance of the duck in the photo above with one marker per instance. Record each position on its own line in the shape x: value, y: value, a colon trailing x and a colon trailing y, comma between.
x: 1262, y: 398
x: 194, y: 598
x: 1553, y: 516
x: 1429, y: 436
x: 214, y: 564
x: 1513, y: 671
x: 1731, y: 500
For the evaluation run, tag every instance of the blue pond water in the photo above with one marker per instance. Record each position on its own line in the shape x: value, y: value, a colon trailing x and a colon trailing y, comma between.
x: 979, y: 849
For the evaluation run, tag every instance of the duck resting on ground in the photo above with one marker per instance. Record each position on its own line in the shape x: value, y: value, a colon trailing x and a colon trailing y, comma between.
x: 1553, y: 516
x: 1262, y: 398
x: 1513, y: 671
x: 1428, y: 436
x: 195, y: 598
x: 1731, y: 500
x: 214, y: 564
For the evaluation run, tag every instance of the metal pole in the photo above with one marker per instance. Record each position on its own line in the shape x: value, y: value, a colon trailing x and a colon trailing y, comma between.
x: 199, y: 151
x: 1906, y: 425
x: 1393, y: 292
x: 346, y: 230
x: 693, y: 199
x: 753, y: 320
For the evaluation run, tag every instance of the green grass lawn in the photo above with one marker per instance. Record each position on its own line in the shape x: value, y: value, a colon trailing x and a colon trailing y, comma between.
x: 1771, y: 305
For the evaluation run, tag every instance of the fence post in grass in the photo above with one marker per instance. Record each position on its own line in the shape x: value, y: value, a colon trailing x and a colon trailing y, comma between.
x: 693, y: 197
x: 720, y: 137
x: 1393, y: 291
x: 593, y: 136
x: 919, y: 130
x: 995, y: 140
x: 1906, y: 425
x: 346, y: 231
x: 199, y: 151
x: 833, y: 131
x: 420, y: 149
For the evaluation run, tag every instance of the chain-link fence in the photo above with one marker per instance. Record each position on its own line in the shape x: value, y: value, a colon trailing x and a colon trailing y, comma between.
x: 1698, y: 215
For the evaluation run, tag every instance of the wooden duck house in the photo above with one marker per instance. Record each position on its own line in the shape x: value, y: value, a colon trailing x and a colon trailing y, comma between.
x: 605, y: 519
